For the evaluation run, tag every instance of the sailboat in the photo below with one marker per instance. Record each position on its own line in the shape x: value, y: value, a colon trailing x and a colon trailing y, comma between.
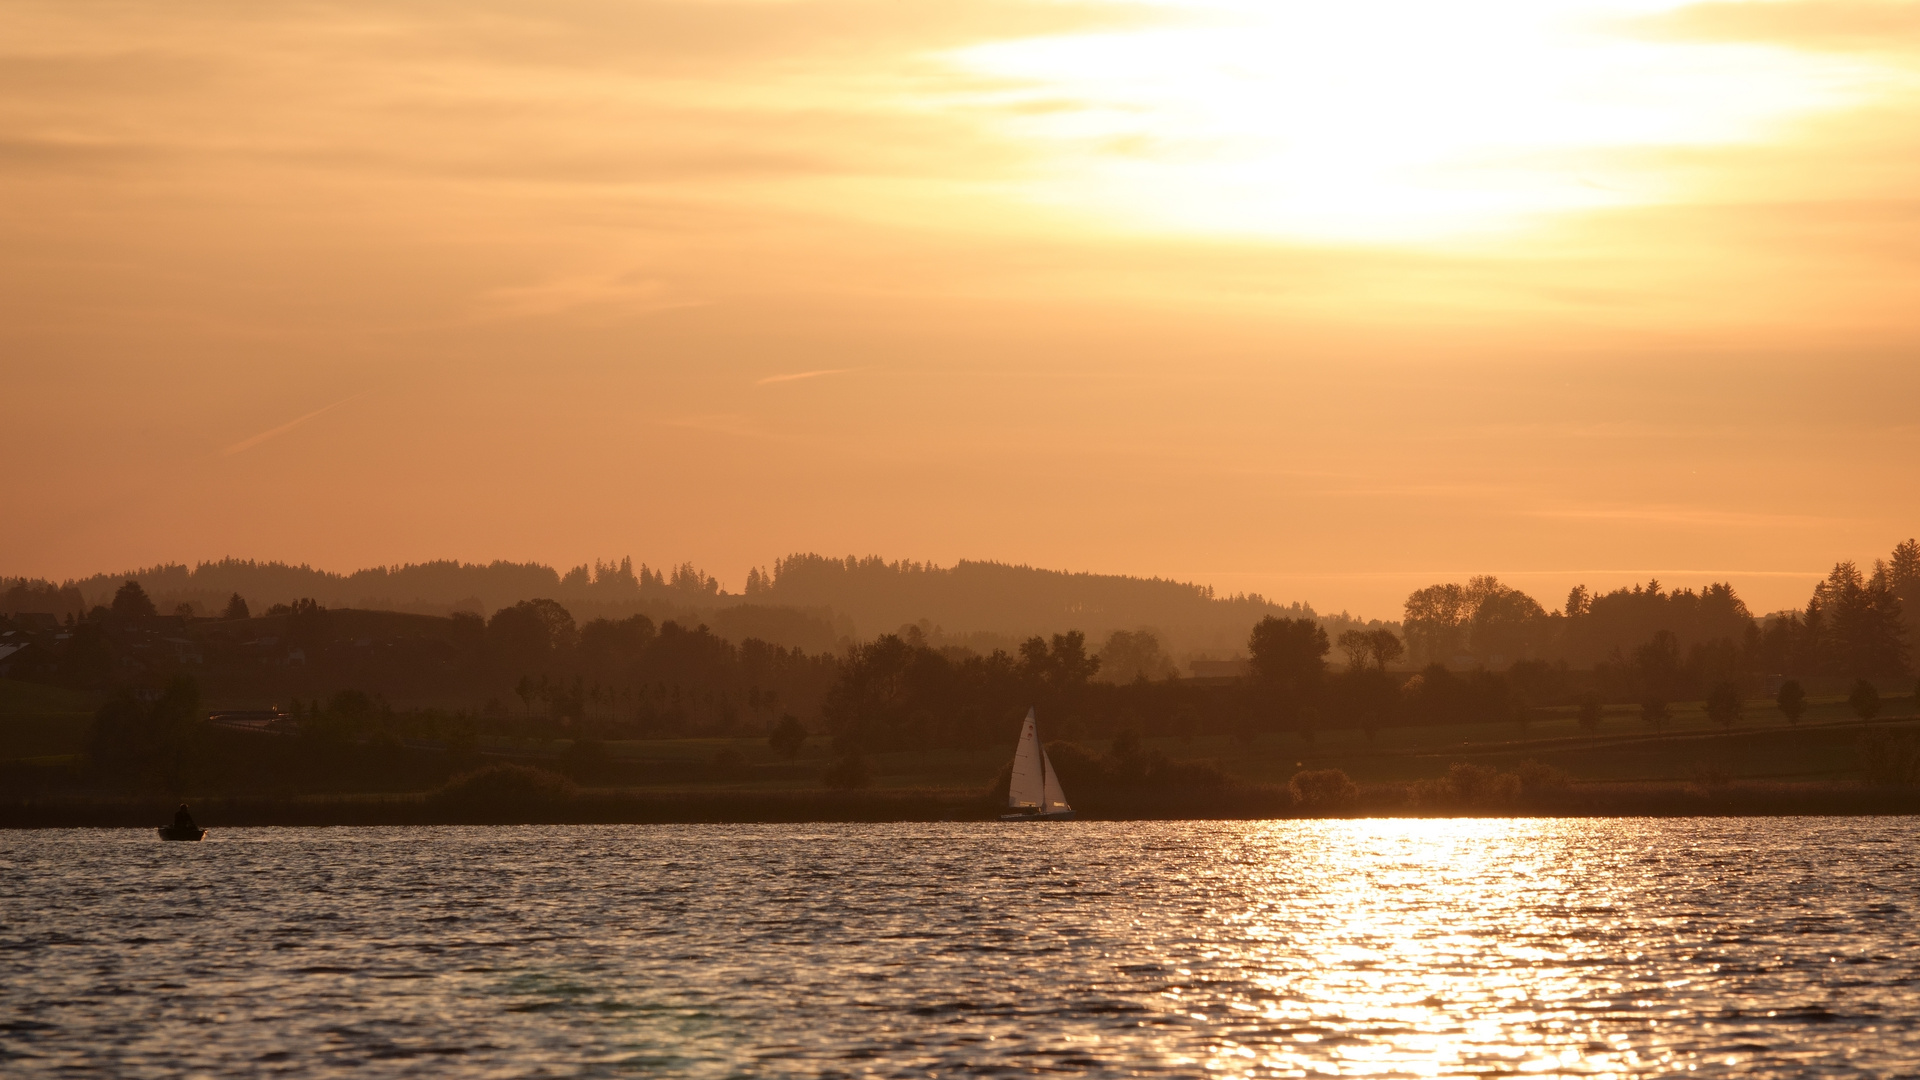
x: 1034, y: 793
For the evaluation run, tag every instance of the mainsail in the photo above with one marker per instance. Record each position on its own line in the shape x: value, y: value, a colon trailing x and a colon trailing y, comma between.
x: 1034, y: 784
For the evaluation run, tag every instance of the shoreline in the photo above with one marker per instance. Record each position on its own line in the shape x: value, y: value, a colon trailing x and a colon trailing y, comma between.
x: 1617, y: 799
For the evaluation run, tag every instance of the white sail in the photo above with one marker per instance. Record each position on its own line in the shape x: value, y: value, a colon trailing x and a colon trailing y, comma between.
x: 1029, y: 784
x: 1053, y: 800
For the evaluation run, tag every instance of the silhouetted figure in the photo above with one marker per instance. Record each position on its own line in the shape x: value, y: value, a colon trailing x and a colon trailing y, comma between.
x: 183, y: 821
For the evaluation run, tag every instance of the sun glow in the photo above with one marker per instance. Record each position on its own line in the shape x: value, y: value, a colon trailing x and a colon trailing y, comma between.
x: 1389, y: 120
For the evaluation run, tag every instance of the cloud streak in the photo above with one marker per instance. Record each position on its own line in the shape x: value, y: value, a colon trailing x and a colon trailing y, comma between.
x: 798, y: 375
x: 271, y: 433
x: 1870, y: 26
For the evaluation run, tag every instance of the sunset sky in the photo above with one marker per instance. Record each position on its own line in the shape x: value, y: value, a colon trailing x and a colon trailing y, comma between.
x: 1325, y: 301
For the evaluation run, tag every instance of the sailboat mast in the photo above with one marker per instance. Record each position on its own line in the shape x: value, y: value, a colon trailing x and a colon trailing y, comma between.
x: 1044, y: 764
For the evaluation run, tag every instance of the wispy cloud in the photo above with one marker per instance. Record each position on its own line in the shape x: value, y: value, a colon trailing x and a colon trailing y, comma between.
x: 1868, y: 25
x: 1684, y: 515
x: 614, y: 293
x: 798, y: 375
x: 256, y: 440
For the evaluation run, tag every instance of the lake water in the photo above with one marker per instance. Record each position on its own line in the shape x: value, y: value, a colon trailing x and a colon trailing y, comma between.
x: 1784, y: 947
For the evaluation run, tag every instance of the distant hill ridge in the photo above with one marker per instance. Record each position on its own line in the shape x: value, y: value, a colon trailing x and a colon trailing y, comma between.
x: 983, y: 604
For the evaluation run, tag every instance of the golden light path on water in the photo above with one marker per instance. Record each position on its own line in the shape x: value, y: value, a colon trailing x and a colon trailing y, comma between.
x: 1396, y: 939
x: 1395, y: 120
x: 1378, y: 948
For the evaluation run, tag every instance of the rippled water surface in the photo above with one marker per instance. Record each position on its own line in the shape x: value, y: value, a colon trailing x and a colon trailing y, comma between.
x: 1376, y: 948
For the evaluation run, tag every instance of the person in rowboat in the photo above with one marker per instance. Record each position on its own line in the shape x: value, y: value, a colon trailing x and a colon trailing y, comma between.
x: 183, y: 821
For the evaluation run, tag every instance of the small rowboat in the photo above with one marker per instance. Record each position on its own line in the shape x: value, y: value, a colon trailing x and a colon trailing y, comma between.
x: 176, y: 832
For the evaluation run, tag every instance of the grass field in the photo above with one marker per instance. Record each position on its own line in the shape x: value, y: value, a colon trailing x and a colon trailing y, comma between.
x: 40, y: 721
x: 1763, y: 746
x: 43, y: 723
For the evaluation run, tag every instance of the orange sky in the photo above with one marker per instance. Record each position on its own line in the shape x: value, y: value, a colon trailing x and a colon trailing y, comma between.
x: 1323, y: 301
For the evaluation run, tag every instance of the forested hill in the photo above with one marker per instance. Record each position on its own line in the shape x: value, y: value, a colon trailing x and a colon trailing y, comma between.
x: 1020, y: 600
x: 807, y: 600
x: 429, y: 588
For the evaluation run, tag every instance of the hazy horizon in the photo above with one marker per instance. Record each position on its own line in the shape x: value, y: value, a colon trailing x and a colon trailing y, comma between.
x: 1791, y: 588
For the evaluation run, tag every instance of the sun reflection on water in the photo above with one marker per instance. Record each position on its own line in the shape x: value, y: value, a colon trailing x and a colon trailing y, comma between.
x: 1244, y: 949
x: 1412, y: 948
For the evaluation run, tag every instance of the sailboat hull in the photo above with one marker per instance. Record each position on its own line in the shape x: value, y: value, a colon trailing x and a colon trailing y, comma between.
x: 1051, y: 815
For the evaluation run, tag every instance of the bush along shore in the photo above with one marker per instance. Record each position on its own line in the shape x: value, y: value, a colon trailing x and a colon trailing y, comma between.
x: 513, y: 794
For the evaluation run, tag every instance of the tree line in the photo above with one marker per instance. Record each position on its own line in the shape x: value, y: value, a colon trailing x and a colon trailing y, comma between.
x: 530, y: 671
x: 1857, y: 623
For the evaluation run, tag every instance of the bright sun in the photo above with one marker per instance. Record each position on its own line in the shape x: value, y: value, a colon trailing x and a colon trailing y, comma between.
x: 1387, y: 121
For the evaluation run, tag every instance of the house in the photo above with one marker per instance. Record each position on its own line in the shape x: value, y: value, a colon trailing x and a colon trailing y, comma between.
x: 185, y: 650
x: 16, y: 656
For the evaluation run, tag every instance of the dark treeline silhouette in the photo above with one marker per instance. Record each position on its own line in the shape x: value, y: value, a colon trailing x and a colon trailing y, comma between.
x: 628, y: 679
x: 437, y: 587
x: 807, y: 601
x: 361, y: 688
x: 614, y: 678
x: 610, y: 589
x: 1858, y: 624
x: 1020, y: 601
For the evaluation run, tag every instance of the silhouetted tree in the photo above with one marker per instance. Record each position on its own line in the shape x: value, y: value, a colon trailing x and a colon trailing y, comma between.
x: 1287, y: 658
x: 1902, y: 574
x: 1131, y: 655
x: 1856, y: 623
x: 1386, y: 648
x: 1656, y: 667
x: 1435, y: 620
x: 306, y: 622
x: 568, y: 704
x: 1653, y: 711
x: 1724, y: 704
x: 1288, y: 653
x: 236, y: 608
x: 1370, y: 648
x: 1865, y: 700
x: 607, y: 645
x: 1591, y: 712
x: 1792, y: 700
x: 131, y: 601
x: 1595, y: 626
x: 788, y: 736
x: 1493, y: 622
x: 528, y: 632
x: 1358, y: 647
x: 1506, y: 624
x: 1064, y: 665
